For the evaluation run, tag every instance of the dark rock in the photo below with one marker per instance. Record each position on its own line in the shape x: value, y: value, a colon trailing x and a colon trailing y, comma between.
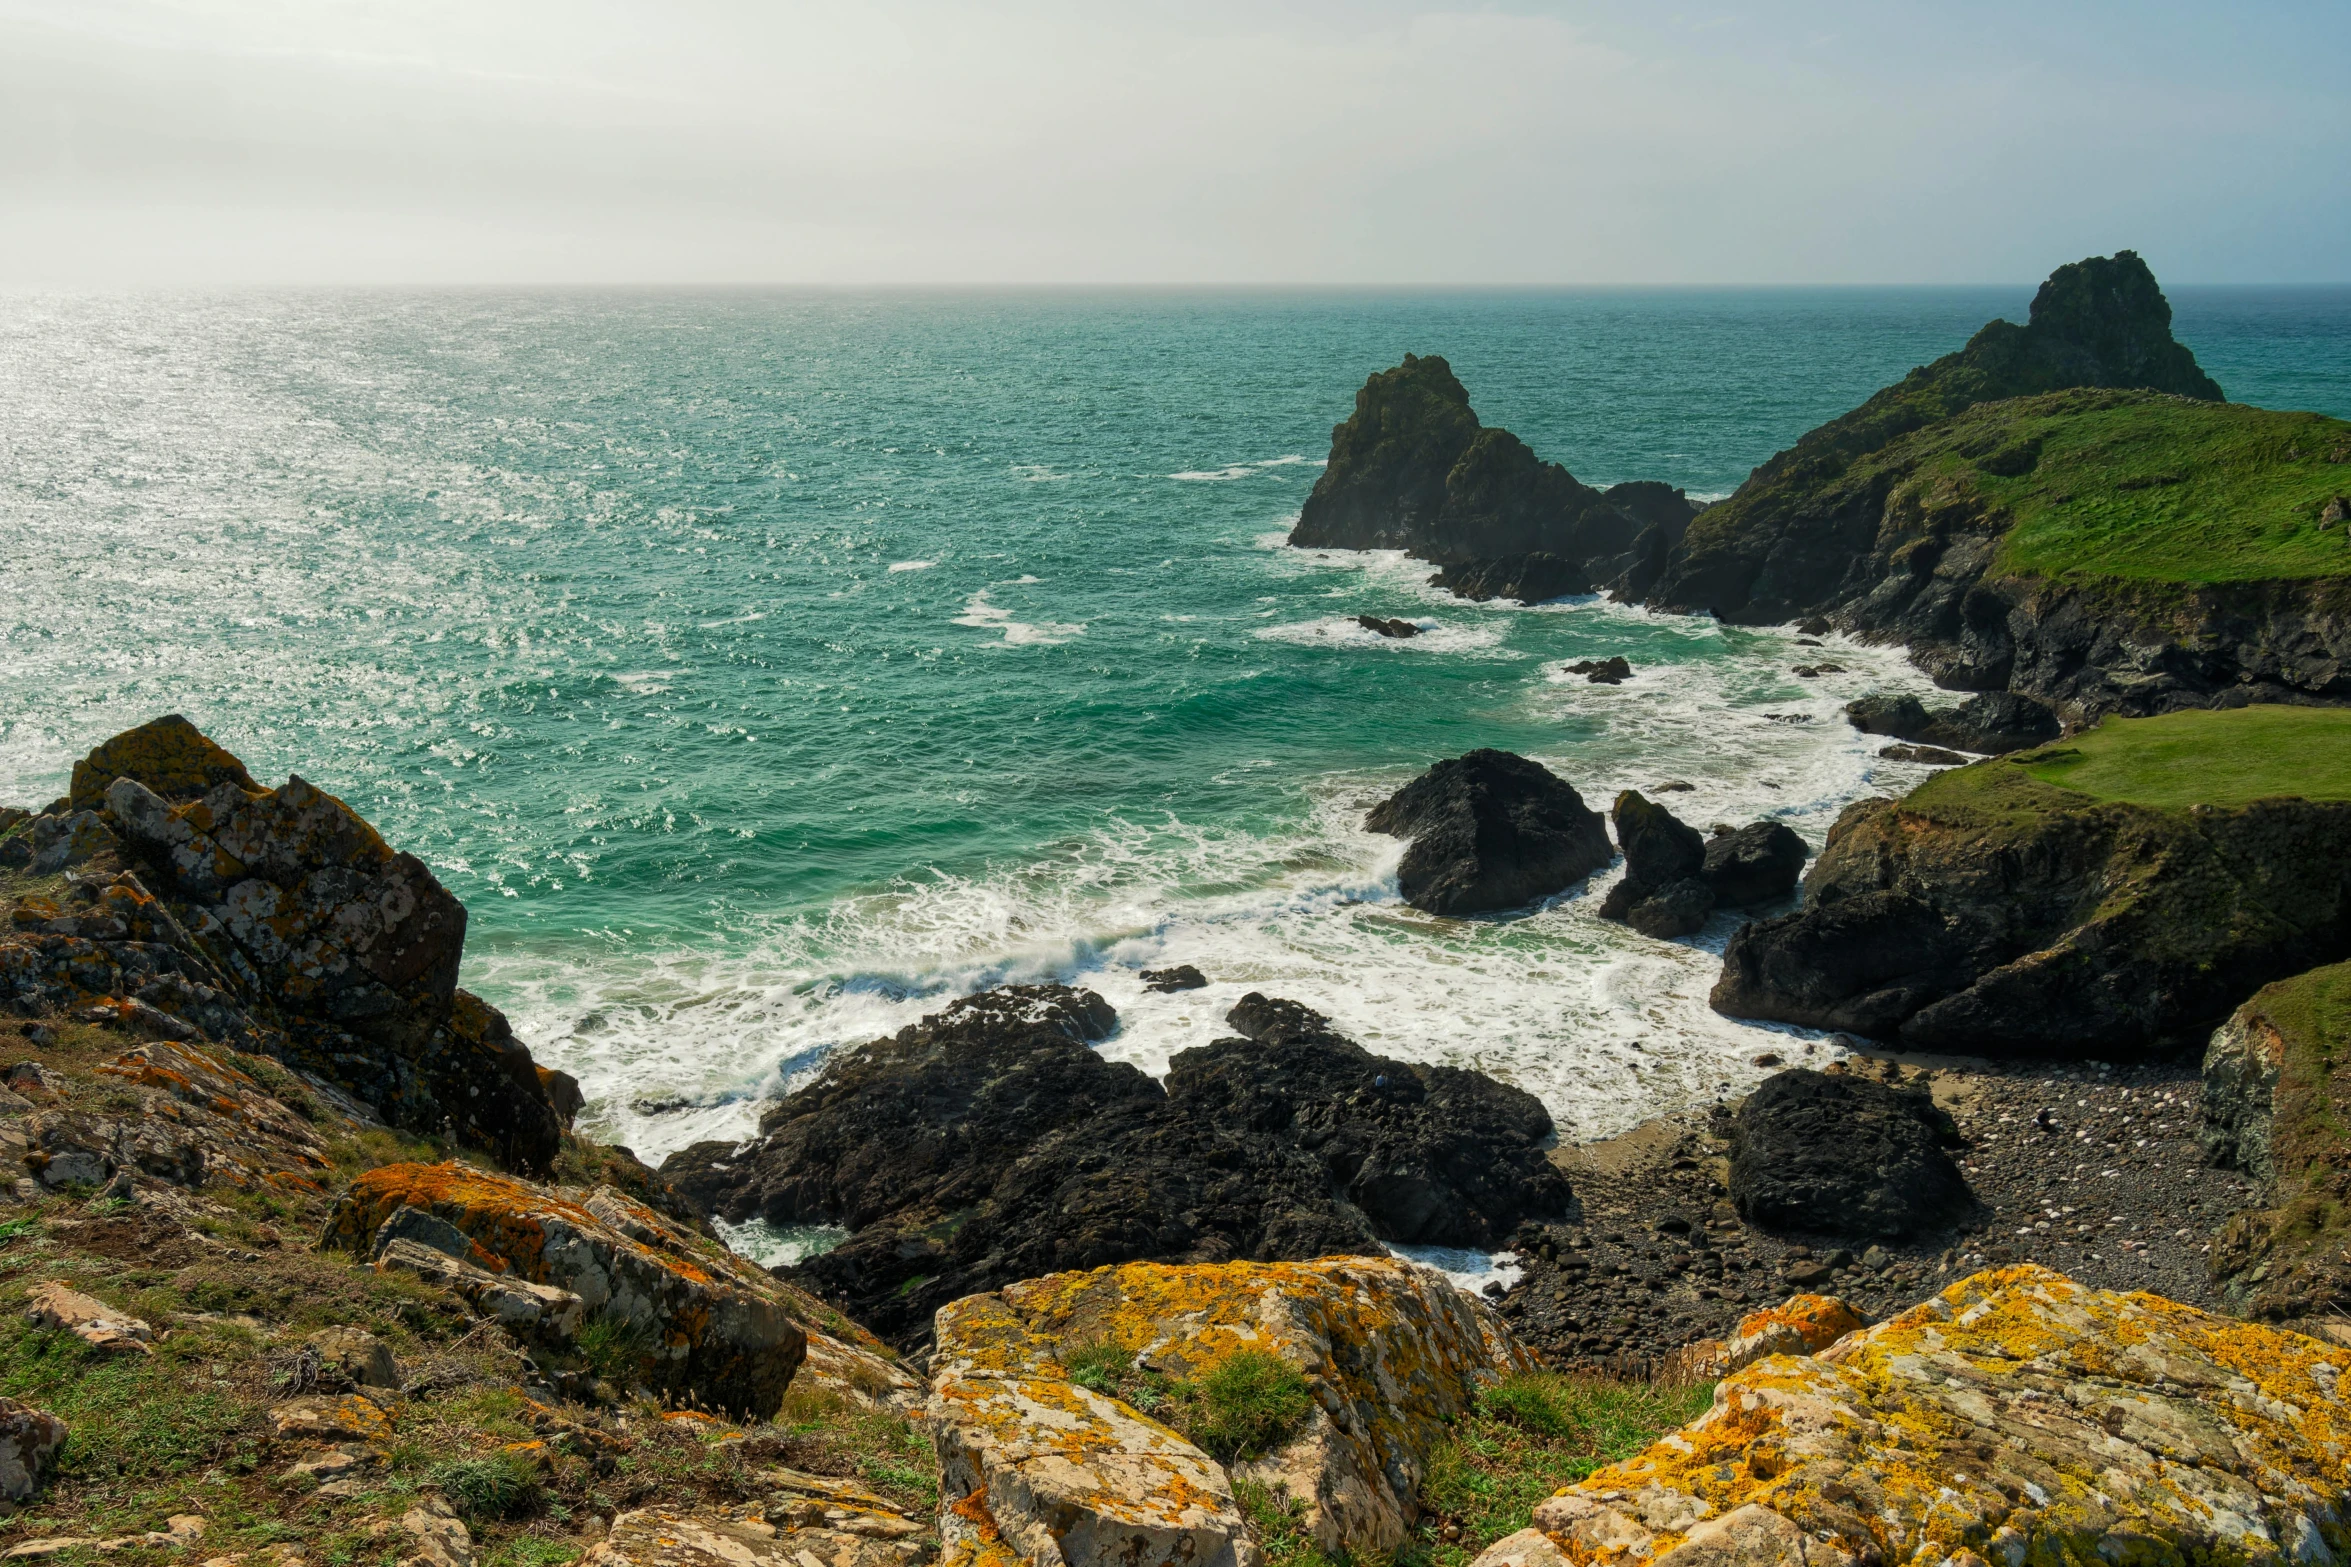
x: 1843, y: 1156
x: 1815, y: 671
x: 1658, y: 848
x: 1990, y: 724
x: 1490, y: 830
x: 986, y: 1144
x: 1182, y: 977
x: 1614, y: 671
x: 1679, y: 908
x: 1412, y: 469
x: 1817, y: 626
x: 2020, y: 918
x: 1388, y: 628
x: 1675, y: 786
x: 1927, y: 755
x: 1757, y: 863
x: 1530, y: 579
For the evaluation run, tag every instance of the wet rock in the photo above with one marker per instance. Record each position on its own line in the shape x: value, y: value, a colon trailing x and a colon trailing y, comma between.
x: 718, y: 1329
x: 1843, y: 1156
x: 1611, y: 671
x: 1168, y: 980
x: 1926, y: 755
x: 1387, y: 628
x: 1394, y: 1352
x: 1662, y: 894
x: 1489, y: 831
x: 2017, y: 1408
x: 1755, y: 864
x: 965, y: 1156
x: 1528, y: 579
x: 29, y: 1440
x: 1678, y: 908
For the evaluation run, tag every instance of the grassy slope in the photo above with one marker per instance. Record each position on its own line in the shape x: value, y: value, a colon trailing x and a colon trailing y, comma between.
x: 2309, y: 1223
x: 2181, y: 759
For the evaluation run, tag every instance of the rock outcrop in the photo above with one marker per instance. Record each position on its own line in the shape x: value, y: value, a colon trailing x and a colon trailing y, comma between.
x: 29, y: 1440
x: 1490, y: 831
x: 1992, y: 913
x: 713, y: 1327
x: 1992, y: 723
x: 989, y: 1143
x: 1413, y: 470
x: 1844, y: 1156
x: 1674, y: 877
x: 2015, y: 1418
x: 793, y: 1530
x: 1528, y: 579
x: 1061, y: 1466
x: 2276, y: 1104
x: 202, y: 909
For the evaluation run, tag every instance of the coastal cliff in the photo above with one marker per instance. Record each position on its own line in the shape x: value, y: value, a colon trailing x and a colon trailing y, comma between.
x: 2064, y: 509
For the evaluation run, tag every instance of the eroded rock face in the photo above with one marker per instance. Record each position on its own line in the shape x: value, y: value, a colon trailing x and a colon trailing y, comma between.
x: 1490, y: 830
x: 773, y: 1534
x: 1991, y: 913
x: 1843, y: 1156
x: 715, y: 1327
x: 968, y: 1152
x: 1392, y: 1352
x: 2017, y: 1417
x: 1412, y: 469
x: 1991, y: 723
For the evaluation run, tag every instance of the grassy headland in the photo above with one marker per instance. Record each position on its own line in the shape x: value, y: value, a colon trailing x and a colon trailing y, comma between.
x: 2231, y: 757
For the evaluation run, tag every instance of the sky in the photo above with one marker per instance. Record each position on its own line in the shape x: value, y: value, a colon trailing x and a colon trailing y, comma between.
x: 1275, y: 142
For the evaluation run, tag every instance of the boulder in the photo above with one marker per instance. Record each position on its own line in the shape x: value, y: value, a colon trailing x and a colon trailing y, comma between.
x: 110, y: 1332
x: 985, y: 1144
x: 167, y: 755
x: 1169, y: 980
x: 1392, y: 1353
x: 745, y: 1537
x: 1614, y: 670
x: 357, y: 1356
x: 1843, y: 1156
x: 1658, y: 847
x: 1802, y: 1325
x: 1412, y: 469
x: 1528, y: 579
x: 716, y: 1328
x: 1755, y: 864
x: 29, y: 1440
x: 2016, y: 1417
x: 1392, y: 629
x: 1991, y: 913
x: 1490, y: 831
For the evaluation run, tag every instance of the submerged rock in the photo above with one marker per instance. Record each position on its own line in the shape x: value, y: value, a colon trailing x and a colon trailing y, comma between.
x: 1843, y: 1156
x: 1529, y: 579
x: 1612, y: 671
x: 1065, y: 1468
x: 1490, y: 830
x: 2017, y: 1410
x: 986, y: 1144
x: 1169, y: 980
x: 1412, y: 469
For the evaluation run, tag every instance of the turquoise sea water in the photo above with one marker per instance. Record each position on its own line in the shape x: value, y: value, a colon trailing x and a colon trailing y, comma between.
x: 762, y: 668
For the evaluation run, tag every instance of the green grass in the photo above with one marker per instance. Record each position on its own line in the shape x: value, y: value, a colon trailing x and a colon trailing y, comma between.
x: 1240, y: 1408
x: 2223, y: 758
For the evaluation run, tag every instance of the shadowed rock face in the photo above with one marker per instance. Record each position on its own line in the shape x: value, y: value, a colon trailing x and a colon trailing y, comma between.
x: 204, y: 907
x: 1674, y: 878
x: 1992, y: 723
x: 1529, y: 579
x: 990, y: 1143
x: 1843, y: 1156
x: 1490, y: 830
x: 2010, y: 916
x: 1412, y: 469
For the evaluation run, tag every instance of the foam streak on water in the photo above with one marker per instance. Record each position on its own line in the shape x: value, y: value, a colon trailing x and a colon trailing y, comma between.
x: 764, y: 670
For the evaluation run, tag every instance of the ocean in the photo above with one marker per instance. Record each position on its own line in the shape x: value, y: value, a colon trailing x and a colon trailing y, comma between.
x: 764, y: 669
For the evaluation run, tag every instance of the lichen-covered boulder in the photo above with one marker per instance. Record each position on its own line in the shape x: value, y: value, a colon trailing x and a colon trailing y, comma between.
x: 742, y: 1537
x: 1036, y: 1469
x: 169, y: 755
x: 29, y: 1440
x: 1391, y: 1352
x: 716, y: 1327
x: 2017, y: 1418
x: 1802, y: 1325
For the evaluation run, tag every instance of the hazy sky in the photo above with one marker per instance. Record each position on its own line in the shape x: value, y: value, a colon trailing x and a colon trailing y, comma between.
x: 1274, y: 141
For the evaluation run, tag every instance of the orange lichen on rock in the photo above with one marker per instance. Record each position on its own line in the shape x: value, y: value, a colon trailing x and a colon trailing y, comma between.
x: 2017, y: 1420
x: 1391, y: 1352
x: 169, y: 755
x: 721, y: 1329
x: 1801, y: 1325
